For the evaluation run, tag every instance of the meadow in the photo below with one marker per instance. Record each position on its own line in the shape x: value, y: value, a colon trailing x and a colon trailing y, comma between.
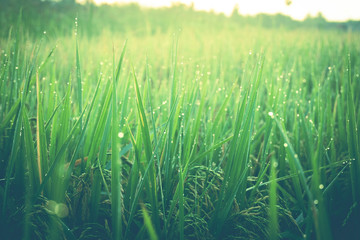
x: 201, y: 129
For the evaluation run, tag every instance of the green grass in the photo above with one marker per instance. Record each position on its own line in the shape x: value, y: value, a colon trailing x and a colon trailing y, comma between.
x: 203, y: 132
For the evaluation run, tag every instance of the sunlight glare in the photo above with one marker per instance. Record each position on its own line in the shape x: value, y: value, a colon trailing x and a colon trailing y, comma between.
x: 333, y: 10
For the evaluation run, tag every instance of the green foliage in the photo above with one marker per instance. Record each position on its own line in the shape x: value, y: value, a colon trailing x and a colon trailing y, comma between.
x: 209, y: 127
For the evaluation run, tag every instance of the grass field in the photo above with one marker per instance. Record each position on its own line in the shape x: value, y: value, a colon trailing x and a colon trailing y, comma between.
x: 200, y: 131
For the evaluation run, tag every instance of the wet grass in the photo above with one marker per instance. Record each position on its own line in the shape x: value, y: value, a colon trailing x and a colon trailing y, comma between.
x: 247, y: 133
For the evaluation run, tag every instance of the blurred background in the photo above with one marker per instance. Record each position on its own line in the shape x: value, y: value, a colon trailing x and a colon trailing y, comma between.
x: 149, y: 17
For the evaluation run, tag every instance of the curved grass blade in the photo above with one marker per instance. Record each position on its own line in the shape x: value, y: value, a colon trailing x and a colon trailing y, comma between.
x: 148, y: 224
x: 148, y: 154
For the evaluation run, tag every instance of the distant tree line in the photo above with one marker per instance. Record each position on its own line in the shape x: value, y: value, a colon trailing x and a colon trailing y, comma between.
x: 57, y: 18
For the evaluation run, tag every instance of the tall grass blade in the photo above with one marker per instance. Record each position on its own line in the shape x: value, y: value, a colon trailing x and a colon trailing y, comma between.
x: 352, y: 138
x: 116, y: 195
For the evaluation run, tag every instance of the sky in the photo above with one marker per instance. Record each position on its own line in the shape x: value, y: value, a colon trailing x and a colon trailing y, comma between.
x: 333, y: 10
